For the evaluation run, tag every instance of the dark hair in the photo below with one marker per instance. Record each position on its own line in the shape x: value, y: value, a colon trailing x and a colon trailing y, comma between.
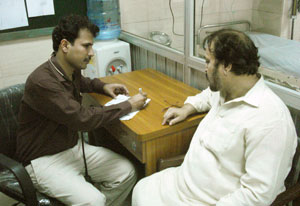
x: 69, y: 27
x: 233, y: 47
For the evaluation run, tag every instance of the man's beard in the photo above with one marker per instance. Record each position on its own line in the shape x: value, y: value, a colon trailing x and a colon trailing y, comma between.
x: 214, y: 82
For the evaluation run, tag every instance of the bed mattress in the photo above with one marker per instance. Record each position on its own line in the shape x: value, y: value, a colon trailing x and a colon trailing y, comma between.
x: 277, y: 53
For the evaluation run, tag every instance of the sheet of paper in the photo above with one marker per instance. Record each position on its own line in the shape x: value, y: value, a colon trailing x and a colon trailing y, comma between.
x: 121, y: 98
x: 40, y: 7
x: 12, y: 14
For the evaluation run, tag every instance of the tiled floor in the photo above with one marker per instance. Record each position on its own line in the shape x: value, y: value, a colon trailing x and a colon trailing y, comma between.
x: 6, y: 201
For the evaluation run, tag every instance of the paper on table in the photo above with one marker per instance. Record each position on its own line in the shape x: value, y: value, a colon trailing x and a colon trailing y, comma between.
x: 121, y: 98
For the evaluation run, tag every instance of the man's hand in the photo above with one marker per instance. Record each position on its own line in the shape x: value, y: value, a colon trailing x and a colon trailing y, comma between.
x: 114, y: 89
x: 175, y: 115
x: 137, y: 101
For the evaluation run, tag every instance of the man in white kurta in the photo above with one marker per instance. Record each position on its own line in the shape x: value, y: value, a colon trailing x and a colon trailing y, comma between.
x: 241, y: 152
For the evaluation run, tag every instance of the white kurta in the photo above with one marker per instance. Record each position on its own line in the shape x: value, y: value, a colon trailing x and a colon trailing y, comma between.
x: 240, y: 154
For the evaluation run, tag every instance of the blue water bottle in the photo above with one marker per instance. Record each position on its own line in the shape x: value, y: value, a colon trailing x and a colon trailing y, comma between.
x: 106, y: 15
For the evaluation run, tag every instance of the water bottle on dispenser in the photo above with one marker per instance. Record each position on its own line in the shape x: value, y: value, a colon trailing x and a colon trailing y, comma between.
x: 106, y: 15
x: 112, y: 56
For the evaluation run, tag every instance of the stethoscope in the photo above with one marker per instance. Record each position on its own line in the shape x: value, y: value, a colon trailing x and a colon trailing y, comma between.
x: 86, y: 175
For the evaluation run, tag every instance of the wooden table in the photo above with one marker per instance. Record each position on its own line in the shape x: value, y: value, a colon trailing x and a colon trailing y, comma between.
x: 144, y: 135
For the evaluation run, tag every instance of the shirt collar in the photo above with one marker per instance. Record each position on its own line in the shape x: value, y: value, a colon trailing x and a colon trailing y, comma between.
x: 254, y: 95
x: 57, y: 70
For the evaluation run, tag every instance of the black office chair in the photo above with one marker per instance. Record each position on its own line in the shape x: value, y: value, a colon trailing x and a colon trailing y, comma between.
x: 14, y: 179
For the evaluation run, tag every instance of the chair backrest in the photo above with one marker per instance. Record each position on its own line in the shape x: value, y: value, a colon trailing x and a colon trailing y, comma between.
x: 293, y: 176
x: 10, y: 99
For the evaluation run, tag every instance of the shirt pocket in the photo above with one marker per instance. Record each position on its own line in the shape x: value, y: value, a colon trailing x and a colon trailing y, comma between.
x: 219, y: 136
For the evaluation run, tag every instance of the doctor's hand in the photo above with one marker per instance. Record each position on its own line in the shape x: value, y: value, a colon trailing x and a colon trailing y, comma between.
x: 137, y: 101
x: 175, y: 115
x: 115, y: 89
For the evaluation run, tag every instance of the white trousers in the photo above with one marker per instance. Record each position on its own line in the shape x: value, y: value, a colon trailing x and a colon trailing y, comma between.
x: 160, y: 189
x: 61, y: 176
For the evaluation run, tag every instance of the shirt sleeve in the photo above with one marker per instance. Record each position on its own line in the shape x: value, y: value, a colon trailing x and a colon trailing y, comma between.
x: 88, y: 85
x: 50, y: 99
x: 201, y: 102
x: 268, y: 159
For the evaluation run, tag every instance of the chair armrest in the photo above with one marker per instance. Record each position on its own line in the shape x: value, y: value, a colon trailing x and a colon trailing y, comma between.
x: 285, y: 197
x: 170, y: 162
x: 22, y: 177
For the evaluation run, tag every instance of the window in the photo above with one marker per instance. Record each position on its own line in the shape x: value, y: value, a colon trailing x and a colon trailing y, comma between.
x: 156, y: 20
x: 268, y: 23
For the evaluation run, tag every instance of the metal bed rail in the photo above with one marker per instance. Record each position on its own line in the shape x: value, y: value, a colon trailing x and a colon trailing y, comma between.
x: 220, y: 25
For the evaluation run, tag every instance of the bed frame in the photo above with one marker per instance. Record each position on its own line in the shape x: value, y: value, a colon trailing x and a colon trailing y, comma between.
x: 285, y: 86
x: 225, y: 25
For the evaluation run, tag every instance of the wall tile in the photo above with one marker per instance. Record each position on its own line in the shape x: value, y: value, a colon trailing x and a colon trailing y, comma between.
x: 160, y: 25
x: 209, y: 7
x: 255, y: 4
x: 267, y: 22
x: 178, y: 25
x: 140, y: 28
x: 234, y: 5
x: 155, y: 10
x: 274, y: 6
x: 220, y: 6
x: 243, y: 15
x: 175, y: 3
x: 177, y: 42
x: 133, y: 11
x: 238, y: 5
x: 224, y: 17
x: 177, y: 12
x: 166, y: 13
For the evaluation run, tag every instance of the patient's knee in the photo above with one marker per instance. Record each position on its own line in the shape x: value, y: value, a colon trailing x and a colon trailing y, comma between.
x: 126, y: 171
x: 138, y: 191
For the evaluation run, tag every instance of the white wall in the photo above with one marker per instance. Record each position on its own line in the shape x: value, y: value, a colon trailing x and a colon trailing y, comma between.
x: 267, y: 15
x: 140, y: 17
x: 274, y: 17
x: 19, y: 58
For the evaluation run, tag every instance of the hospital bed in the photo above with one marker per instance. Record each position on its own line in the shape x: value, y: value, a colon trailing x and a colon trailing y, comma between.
x: 278, y: 53
x: 275, y: 52
x: 279, y: 58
